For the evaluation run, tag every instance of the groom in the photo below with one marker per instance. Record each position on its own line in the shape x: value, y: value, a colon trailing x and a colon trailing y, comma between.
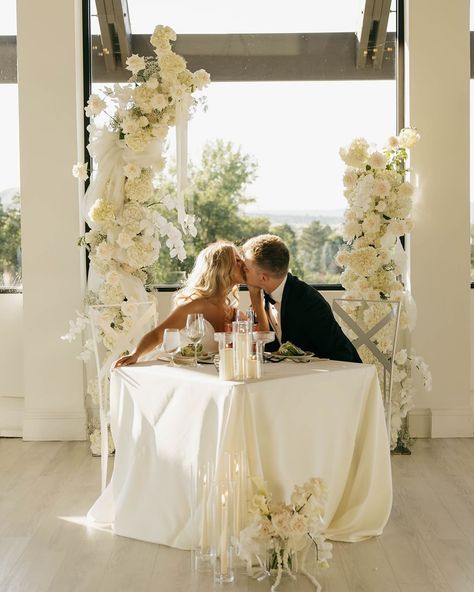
x: 293, y: 309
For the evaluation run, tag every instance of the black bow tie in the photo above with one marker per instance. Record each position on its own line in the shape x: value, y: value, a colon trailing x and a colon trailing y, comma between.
x: 268, y: 299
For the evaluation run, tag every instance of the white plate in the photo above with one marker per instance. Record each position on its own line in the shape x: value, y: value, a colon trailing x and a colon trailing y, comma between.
x: 204, y: 359
x: 306, y: 358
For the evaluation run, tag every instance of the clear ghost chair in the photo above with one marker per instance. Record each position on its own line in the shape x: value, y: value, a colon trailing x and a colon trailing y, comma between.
x: 116, y: 329
x: 372, y: 327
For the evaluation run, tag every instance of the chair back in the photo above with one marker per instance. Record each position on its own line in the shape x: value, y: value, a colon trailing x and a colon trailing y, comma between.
x: 372, y: 327
x: 116, y: 329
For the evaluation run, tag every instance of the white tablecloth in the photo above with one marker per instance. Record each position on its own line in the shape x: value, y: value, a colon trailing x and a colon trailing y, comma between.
x: 320, y: 419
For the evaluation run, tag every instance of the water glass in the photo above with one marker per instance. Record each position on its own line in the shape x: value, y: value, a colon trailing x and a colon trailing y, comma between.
x: 171, y: 343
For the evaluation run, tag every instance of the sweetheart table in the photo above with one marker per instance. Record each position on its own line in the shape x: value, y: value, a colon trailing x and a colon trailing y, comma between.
x: 317, y: 419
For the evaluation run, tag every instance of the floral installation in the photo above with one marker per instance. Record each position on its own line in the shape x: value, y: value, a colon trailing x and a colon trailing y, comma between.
x: 129, y: 223
x: 379, y: 211
x: 281, y: 530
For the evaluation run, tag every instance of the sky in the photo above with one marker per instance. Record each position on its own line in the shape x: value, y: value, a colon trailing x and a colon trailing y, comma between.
x: 293, y: 129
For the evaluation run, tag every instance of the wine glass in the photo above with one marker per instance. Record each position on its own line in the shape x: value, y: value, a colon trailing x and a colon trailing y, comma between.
x: 171, y: 343
x: 195, y: 331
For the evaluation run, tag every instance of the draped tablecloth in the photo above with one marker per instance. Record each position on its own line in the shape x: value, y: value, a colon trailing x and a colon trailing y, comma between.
x: 319, y: 419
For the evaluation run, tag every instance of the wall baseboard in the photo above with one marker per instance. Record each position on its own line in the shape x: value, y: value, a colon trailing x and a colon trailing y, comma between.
x: 419, y: 423
x: 441, y: 423
x: 11, y: 417
x: 62, y: 425
x: 452, y: 423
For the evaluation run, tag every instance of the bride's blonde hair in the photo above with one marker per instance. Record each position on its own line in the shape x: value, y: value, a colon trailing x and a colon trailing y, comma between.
x: 211, y: 274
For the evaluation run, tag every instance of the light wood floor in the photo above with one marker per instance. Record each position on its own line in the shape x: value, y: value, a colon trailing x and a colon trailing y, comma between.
x: 46, y: 489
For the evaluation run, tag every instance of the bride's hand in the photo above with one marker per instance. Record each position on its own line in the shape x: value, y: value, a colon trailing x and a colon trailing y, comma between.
x: 126, y: 360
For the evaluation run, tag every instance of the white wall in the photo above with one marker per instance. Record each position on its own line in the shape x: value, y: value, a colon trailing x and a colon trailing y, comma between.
x: 37, y: 365
x: 50, y: 101
x: 438, y: 105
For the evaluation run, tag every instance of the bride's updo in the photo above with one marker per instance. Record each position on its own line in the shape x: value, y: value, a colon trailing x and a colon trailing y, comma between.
x: 212, y: 274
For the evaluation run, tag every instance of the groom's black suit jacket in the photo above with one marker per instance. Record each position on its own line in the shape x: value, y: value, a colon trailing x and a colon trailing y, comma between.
x: 307, y: 321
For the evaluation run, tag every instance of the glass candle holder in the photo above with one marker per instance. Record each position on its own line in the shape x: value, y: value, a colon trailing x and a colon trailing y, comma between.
x: 261, y: 338
x: 201, y: 499
x: 242, y: 343
x: 223, y: 519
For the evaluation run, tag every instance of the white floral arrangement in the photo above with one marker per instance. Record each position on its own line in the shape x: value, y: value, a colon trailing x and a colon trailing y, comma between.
x: 282, y: 530
x: 128, y: 224
x: 380, y: 204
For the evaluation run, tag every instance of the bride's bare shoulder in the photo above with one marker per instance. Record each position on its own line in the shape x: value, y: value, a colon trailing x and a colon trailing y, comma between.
x: 194, y: 305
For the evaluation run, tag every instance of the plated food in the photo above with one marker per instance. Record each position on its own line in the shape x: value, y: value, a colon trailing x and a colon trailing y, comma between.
x: 289, y: 351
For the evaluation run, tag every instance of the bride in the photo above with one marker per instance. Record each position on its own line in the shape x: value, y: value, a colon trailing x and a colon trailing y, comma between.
x: 211, y: 289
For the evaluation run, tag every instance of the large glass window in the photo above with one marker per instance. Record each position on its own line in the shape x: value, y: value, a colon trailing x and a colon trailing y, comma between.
x: 286, y: 95
x: 10, y: 248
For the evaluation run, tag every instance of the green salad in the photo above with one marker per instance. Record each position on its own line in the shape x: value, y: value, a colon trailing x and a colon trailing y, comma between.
x: 290, y: 349
x: 188, y: 350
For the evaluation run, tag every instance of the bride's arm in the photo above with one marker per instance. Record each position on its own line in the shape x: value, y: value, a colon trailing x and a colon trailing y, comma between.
x: 176, y: 320
x: 258, y: 305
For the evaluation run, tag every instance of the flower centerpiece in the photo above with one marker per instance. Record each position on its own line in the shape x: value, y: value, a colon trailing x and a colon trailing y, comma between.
x: 379, y: 212
x: 129, y: 224
x: 278, y: 531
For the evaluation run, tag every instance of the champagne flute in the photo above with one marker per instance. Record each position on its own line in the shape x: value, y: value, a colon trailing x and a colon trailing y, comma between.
x: 195, y: 331
x: 171, y: 343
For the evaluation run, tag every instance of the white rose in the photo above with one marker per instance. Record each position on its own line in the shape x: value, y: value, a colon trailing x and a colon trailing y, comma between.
x: 171, y: 64
x: 102, y: 212
x: 350, y: 178
x: 159, y: 101
x: 406, y: 189
x: 377, y: 160
x: 152, y: 82
x: 357, y: 153
x: 201, y: 79
x: 129, y: 125
x: 95, y: 106
x: 160, y: 131
x: 125, y: 240
x: 408, y: 137
x: 401, y: 357
x: 135, y: 63
x: 381, y: 187
x: 132, y: 170
x: 79, y: 170
x: 392, y: 142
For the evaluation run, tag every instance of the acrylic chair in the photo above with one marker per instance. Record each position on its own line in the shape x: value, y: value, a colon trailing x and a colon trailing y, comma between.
x: 142, y: 318
x: 372, y: 327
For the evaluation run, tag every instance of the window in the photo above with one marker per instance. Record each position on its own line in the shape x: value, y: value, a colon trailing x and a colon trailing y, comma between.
x: 286, y: 95
x: 10, y: 248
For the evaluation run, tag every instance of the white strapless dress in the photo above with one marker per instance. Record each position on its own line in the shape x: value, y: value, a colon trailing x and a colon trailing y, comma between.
x: 208, y: 342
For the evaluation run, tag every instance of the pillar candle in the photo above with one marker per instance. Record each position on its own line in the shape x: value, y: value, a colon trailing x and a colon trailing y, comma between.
x: 226, y: 364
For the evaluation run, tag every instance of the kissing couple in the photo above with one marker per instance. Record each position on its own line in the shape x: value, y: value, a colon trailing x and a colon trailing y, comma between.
x: 281, y: 302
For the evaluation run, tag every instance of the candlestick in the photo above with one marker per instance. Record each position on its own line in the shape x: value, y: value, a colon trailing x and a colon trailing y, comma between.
x: 224, y: 519
x: 237, y: 500
x: 204, y: 537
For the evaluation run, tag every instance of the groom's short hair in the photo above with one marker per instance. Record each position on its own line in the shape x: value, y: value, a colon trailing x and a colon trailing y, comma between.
x: 269, y: 253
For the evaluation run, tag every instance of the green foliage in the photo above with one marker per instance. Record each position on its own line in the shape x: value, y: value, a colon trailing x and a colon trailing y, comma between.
x: 10, y: 239
x: 288, y: 236
x: 218, y: 191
